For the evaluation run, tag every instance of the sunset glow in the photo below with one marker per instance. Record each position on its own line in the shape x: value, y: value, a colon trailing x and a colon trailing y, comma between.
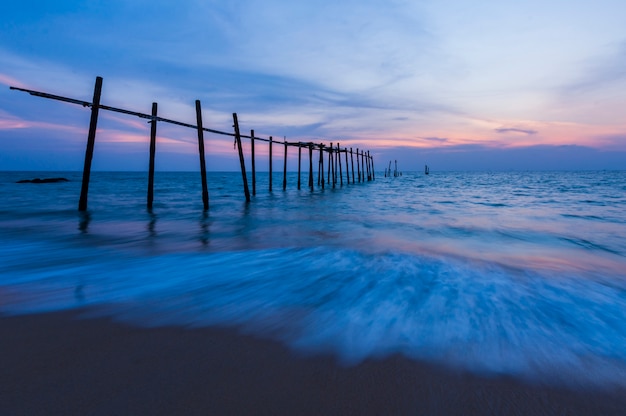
x: 433, y: 76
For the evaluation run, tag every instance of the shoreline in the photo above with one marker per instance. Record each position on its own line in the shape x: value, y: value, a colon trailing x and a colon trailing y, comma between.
x: 63, y: 363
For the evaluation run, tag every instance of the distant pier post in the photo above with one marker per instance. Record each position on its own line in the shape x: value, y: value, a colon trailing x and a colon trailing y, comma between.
x: 322, y: 163
x: 347, y: 172
x: 330, y: 162
x: 242, y: 163
x: 369, y: 170
x: 270, y: 163
x: 299, y: 164
x: 285, y: 167
x: 340, y: 171
x: 363, y: 164
x: 311, y: 166
x: 372, y: 162
x: 253, y: 163
x: 358, y: 164
x: 153, y: 128
x: 352, y: 164
x: 333, y: 156
x: 91, y: 138
x: 205, y: 189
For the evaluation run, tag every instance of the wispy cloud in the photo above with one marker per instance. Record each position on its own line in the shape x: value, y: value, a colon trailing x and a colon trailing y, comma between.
x: 516, y: 130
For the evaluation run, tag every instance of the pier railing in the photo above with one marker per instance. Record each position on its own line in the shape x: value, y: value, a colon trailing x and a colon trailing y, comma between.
x: 334, y: 153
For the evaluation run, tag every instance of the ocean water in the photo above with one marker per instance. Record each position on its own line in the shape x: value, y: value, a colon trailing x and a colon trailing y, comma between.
x: 520, y: 273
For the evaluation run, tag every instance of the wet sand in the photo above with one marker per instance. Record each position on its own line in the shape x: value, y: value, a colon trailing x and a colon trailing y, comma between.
x: 61, y: 364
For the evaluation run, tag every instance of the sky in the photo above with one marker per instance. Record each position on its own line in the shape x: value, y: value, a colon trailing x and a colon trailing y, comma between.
x: 455, y: 84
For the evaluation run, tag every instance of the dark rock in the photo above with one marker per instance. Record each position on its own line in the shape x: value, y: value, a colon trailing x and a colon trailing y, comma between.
x: 44, y: 180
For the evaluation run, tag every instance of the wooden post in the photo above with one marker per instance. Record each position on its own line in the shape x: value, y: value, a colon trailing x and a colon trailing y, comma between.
x: 340, y: 171
x: 285, y: 166
x: 336, y: 165
x: 352, y: 164
x: 311, y: 166
x: 363, y: 164
x: 299, y: 163
x: 332, y: 157
x: 153, y: 126
x: 358, y: 164
x: 319, y: 167
x: 330, y: 160
x: 242, y: 162
x: 372, y: 162
x: 253, y: 163
x: 322, y: 162
x: 205, y: 190
x: 347, y: 172
x: 91, y: 138
x: 270, y: 163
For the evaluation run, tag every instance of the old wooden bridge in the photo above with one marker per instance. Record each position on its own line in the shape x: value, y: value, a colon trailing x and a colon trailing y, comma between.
x: 335, y: 154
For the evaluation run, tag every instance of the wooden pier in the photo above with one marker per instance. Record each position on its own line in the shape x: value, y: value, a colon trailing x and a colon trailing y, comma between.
x: 334, y: 176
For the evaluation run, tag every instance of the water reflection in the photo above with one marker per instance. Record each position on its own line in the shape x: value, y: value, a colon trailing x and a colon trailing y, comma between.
x: 151, y: 224
x: 84, y: 220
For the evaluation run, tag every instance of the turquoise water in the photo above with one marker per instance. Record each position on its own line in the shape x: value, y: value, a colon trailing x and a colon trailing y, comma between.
x: 501, y: 273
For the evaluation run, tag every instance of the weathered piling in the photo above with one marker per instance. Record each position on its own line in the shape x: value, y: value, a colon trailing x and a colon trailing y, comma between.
x: 241, y: 159
x: 299, y: 164
x: 91, y: 139
x: 330, y: 162
x: 285, y: 167
x: 363, y: 164
x: 321, y: 163
x: 372, y: 162
x: 153, y: 126
x: 340, y: 171
x: 270, y: 163
x: 345, y: 151
x: 205, y: 189
x: 352, y: 164
x: 253, y: 162
x: 311, y: 166
x: 332, y: 157
x: 358, y: 164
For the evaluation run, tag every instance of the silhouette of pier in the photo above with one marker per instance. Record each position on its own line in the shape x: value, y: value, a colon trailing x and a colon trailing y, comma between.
x: 334, y: 153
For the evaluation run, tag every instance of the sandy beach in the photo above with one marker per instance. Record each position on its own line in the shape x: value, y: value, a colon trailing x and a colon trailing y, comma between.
x: 62, y: 364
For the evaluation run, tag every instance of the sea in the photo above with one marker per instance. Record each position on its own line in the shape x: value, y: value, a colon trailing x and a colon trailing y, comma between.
x: 520, y: 274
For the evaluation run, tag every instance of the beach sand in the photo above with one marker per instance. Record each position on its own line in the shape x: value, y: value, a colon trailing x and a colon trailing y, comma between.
x: 61, y: 364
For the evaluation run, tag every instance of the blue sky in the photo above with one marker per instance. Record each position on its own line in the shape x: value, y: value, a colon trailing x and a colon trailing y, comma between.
x: 456, y: 84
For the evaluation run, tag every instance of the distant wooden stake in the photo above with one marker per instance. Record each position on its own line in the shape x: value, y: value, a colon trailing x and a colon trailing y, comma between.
x: 299, y: 163
x: 205, y: 189
x: 363, y: 165
x: 339, y: 159
x: 330, y: 162
x: 91, y: 139
x: 285, y: 167
x: 311, y: 166
x: 373, y: 174
x: 270, y: 163
x: 322, y: 162
x: 153, y: 128
x: 347, y: 171
x: 352, y: 164
x: 358, y: 164
x: 242, y: 163
x: 253, y: 163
